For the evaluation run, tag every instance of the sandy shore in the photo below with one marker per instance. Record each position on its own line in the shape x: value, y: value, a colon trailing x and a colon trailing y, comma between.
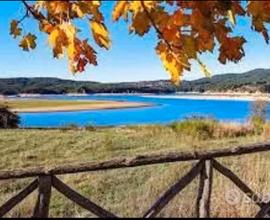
x: 110, y: 105
x: 30, y: 106
x: 216, y: 96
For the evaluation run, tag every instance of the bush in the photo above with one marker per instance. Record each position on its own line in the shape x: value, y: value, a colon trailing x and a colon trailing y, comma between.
x: 202, y: 128
x: 8, y: 119
x: 266, y: 130
x: 90, y: 128
x: 209, y: 128
x: 232, y: 130
x: 70, y: 127
x: 259, y: 109
x: 258, y: 115
x: 257, y: 123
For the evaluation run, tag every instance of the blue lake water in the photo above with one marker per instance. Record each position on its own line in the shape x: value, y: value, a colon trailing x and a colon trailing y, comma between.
x: 165, y: 110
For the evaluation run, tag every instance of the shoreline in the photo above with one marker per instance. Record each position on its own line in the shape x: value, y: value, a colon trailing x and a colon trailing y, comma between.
x: 215, y: 96
x: 53, y: 110
x: 178, y: 95
x: 72, y: 107
x: 108, y: 106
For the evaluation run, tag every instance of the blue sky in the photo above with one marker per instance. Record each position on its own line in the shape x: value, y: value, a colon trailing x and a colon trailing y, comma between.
x: 131, y: 58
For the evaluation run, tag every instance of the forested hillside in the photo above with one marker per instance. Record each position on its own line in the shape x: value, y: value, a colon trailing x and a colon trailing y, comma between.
x: 252, y: 81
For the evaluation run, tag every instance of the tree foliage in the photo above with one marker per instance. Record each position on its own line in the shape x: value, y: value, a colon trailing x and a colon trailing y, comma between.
x: 8, y: 119
x: 185, y: 29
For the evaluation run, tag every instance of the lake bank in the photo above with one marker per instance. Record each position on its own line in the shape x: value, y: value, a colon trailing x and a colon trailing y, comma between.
x: 217, y: 96
x: 42, y: 105
x: 241, y: 96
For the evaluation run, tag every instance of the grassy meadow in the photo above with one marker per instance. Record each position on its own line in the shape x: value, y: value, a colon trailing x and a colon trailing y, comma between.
x: 130, y: 192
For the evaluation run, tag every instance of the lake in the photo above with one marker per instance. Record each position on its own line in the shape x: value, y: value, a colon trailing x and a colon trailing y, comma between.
x: 166, y: 109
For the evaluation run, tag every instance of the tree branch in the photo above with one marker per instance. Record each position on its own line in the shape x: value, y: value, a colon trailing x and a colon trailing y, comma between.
x: 159, y: 32
x: 169, y: 45
x: 35, y: 14
x: 24, y: 17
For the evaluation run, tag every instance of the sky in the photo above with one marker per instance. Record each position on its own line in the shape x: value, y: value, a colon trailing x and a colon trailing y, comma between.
x: 131, y: 57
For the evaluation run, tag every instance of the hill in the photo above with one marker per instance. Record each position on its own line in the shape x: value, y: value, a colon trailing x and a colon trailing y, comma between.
x: 252, y: 81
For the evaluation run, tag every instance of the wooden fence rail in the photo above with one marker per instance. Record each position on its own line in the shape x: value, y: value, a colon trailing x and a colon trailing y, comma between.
x: 207, y: 163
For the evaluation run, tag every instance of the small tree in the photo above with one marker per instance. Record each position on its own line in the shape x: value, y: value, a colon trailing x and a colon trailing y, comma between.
x: 259, y: 109
x: 258, y: 115
x: 8, y: 119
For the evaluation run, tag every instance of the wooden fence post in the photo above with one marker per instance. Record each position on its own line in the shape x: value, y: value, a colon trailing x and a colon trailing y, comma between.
x: 44, y: 196
x: 15, y: 200
x: 205, y: 190
x: 173, y: 190
x: 80, y: 200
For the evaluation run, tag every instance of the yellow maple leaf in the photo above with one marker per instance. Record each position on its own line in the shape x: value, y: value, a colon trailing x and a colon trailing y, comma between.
x: 100, y: 34
x: 69, y: 29
x: 28, y: 42
x: 78, y: 10
x: 171, y: 65
x: 96, y: 2
x: 72, y: 66
x: 53, y: 37
x: 204, y: 68
x: 71, y: 51
x: 39, y: 5
x: 56, y: 41
x: 231, y: 17
x: 120, y: 9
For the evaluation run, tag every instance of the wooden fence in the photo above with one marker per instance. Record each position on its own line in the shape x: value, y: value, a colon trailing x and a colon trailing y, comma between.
x: 206, y: 162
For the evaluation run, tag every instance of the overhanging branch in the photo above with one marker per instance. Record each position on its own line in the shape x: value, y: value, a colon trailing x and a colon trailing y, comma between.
x: 34, y: 13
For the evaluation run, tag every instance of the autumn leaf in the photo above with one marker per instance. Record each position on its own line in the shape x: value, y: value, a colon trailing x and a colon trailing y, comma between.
x: 140, y: 24
x: 39, y: 5
x: 231, y: 17
x: 78, y: 10
x: 15, y: 31
x: 172, y: 67
x: 259, y: 12
x: 120, y: 9
x: 100, y: 34
x: 170, y: 62
x: 204, y: 68
x: 53, y: 37
x: 28, y: 42
x: 46, y: 27
x: 58, y: 41
x: 232, y: 50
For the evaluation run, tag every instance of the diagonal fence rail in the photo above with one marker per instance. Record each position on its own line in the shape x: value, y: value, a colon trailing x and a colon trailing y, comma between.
x: 206, y: 163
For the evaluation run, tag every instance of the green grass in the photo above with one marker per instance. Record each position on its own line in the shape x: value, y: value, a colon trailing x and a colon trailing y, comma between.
x: 126, y: 192
x: 38, y: 103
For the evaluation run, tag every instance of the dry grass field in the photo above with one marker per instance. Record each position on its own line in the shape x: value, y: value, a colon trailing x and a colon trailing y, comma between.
x: 130, y: 192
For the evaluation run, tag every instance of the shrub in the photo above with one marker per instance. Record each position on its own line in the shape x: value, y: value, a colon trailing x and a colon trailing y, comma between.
x: 90, y: 128
x: 202, y: 128
x: 257, y: 123
x: 8, y: 119
x: 266, y: 130
x: 259, y: 109
x: 70, y: 127
x: 258, y: 115
x: 207, y: 128
x: 232, y: 130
